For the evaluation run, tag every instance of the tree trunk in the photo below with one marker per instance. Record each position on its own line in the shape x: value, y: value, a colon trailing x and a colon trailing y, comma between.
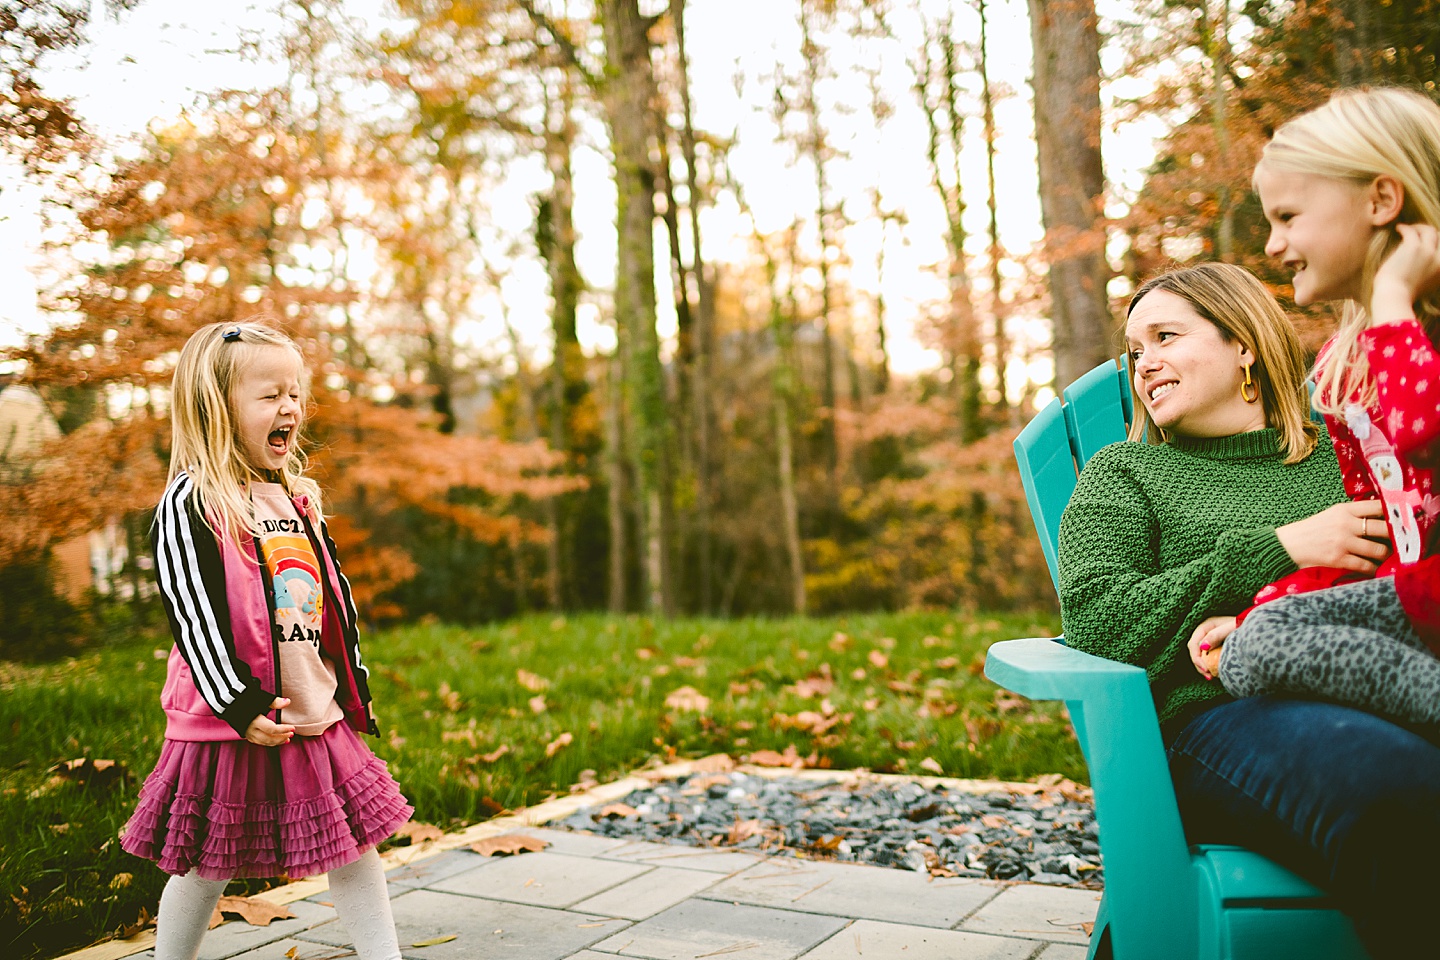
x: 704, y: 315
x: 567, y: 385
x: 998, y: 306
x: 628, y: 91
x: 615, y: 479
x: 818, y: 149
x: 783, y: 383
x: 1072, y: 180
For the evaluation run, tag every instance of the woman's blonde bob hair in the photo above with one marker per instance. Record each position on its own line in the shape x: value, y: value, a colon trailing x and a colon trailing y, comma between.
x: 1244, y: 312
x: 1359, y: 135
x: 204, y: 438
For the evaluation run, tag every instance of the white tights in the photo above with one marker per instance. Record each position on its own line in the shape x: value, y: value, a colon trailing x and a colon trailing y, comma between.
x: 357, y: 889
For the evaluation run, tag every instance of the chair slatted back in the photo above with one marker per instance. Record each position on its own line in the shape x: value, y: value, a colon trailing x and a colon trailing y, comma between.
x: 1093, y: 412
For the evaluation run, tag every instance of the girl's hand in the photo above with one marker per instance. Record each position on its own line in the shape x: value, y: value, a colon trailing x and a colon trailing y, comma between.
x: 1205, y: 644
x: 1350, y: 536
x: 265, y: 732
x: 1410, y: 271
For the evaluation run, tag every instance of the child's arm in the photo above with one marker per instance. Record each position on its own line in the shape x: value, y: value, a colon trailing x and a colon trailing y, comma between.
x: 1403, y: 361
x: 1410, y: 271
x: 191, y: 577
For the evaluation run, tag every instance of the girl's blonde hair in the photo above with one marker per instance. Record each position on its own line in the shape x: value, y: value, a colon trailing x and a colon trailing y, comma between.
x: 204, y: 439
x: 1244, y: 312
x: 1359, y: 135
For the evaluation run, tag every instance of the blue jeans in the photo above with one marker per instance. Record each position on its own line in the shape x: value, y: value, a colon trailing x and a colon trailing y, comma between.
x: 1343, y: 798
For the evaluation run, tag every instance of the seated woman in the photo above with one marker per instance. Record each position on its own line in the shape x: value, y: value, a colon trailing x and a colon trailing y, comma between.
x: 1233, y: 490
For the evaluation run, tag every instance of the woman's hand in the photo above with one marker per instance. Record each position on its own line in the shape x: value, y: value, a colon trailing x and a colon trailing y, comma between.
x: 265, y: 732
x: 1205, y: 644
x: 1350, y: 536
x: 1410, y: 271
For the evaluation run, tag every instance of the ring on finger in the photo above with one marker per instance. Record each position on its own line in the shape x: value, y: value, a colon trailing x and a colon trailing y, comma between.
x: 1364, y: 526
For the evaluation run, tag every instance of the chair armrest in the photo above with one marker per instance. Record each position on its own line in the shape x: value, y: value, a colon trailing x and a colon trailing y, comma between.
x: 1150, y: 885
x: 1044, y: 669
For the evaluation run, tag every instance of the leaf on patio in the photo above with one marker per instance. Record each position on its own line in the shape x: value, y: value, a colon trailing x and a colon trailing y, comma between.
x: 740, y: 830
x: 433, y: 941
x: 715, y: 763
x: 510, y: 844
x: 558, y: 744
x: 616, y: 810
x: 531, y: 681
x: 254, y: 911
x: 1088, y: 926
x: 687, y: 699
x: 936, y: 867
x: 127, y: 930
x: 418, y: 832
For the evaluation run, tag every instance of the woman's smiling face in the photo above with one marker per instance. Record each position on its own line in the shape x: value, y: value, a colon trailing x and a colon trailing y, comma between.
x: 1186, y: 374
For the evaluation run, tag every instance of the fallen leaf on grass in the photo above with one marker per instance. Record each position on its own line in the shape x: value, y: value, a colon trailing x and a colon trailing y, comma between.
x: 816, y: 685
x: 1006, y: 702
x: 558, y: 744
x: 256, y: 912
x: 947, y: 663
x: 509, y: 844
x: 933, y: 765
x: 531, y: 681
x: 91, y: 773
x: 418, y: 832
x: 877, y: 659
x: 537, y: 704
x: 434, y: 940
x: 688, y: 698
x: 495, y: 754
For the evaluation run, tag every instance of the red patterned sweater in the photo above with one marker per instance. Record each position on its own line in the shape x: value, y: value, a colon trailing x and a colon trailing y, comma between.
x: 1397, y: 440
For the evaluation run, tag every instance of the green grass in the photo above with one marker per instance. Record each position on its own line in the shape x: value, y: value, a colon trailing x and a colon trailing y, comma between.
x: 446, y: 697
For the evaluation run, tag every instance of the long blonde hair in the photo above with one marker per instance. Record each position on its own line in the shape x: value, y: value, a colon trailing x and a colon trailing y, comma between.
x: 204, y: 439
x: 1244, y: 312
x: 1359, y: 135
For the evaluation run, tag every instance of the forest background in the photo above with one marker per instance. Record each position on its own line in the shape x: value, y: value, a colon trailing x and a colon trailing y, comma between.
x: 762, y: 454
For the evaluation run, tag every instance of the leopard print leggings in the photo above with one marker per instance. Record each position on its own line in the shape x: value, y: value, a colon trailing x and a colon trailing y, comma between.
x: 1351, y: 644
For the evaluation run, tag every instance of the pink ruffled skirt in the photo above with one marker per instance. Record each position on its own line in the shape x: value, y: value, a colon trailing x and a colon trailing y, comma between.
x: 234, y: 809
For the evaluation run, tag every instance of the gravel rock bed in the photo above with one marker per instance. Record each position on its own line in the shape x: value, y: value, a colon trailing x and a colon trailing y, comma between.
x: 1043, y: 833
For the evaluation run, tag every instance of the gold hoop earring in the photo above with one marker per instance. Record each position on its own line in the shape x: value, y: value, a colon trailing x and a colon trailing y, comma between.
x: 1245, y: 395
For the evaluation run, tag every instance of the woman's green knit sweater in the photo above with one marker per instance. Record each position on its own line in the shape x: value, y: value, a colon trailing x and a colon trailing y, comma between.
x: 1158, y: 537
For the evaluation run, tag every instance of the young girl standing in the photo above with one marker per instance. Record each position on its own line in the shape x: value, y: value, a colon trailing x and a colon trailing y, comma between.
x: 1352, y: 194
x: 262, y: 771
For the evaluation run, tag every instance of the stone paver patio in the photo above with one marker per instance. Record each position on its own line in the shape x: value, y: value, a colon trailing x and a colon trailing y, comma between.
x: 593, y: 898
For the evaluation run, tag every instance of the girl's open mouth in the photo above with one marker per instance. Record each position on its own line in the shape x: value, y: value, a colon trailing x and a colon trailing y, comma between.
x: 280, y: 440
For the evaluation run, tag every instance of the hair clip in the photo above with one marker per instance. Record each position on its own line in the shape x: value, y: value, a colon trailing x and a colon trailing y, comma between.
x: 230, y: 336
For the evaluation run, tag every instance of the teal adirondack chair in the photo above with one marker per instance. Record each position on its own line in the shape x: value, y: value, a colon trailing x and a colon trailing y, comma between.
x: 1163, y: 900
